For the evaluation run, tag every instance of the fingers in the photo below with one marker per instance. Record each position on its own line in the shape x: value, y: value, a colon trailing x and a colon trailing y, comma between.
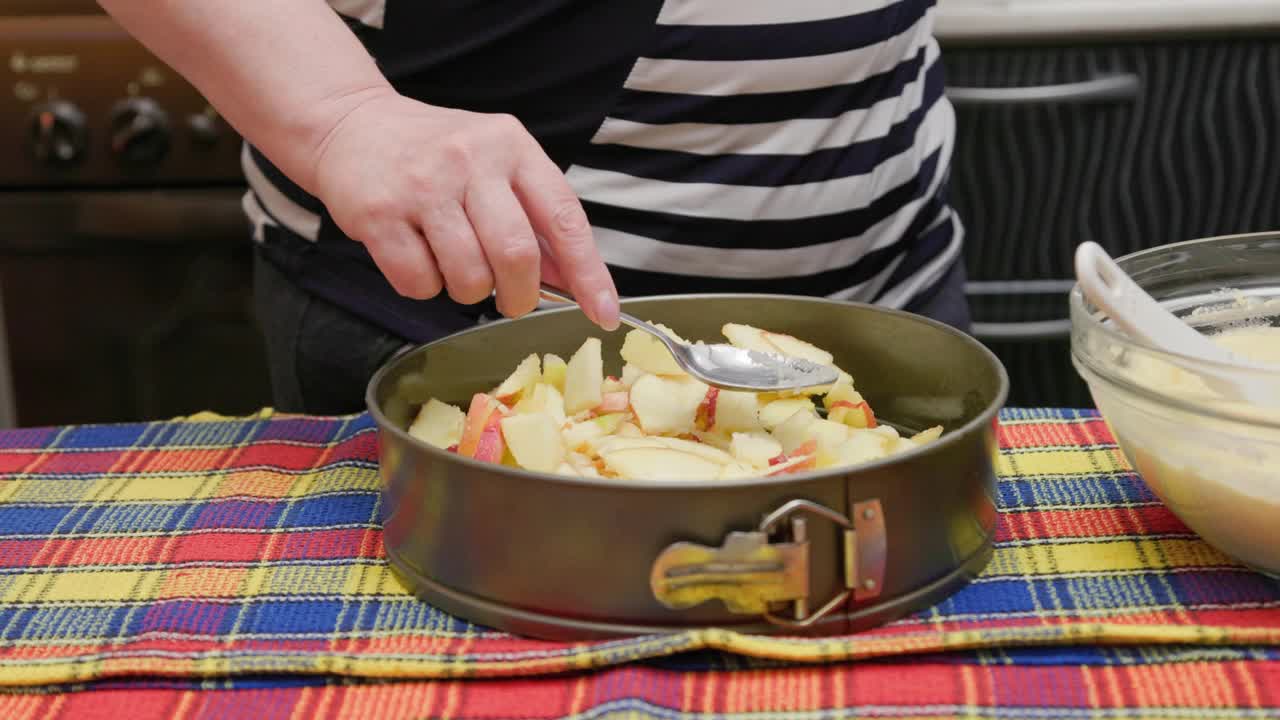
x: 457, y: 252
x: 402, y: 254
x: 555, y: 214
x: 508, y: 243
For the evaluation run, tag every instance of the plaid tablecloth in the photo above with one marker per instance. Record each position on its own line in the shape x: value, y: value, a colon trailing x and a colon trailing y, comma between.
x: 214, y: 566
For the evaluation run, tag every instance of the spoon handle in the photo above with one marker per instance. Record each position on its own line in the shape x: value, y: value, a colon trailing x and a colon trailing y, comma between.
x: 557, y: 295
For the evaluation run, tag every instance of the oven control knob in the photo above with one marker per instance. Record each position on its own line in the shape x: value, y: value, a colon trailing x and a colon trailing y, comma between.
x: 139, y: 132
x: 59, y: 134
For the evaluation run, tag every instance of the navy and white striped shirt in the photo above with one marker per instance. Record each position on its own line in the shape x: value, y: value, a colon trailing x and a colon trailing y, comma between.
x: 788, y: 146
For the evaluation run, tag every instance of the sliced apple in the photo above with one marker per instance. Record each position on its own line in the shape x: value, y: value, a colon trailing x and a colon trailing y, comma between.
x: 799, y: 463
x: 578, y: 435
x: 439, y: 424
x: 490, y: 446
x: 584, y: 378
x: 630, y: 374
x: 609, y: 423
x: 611, y: 443
x: 751, y: 338
x: 647, y: 352
x: 705, y: 416
x: 778, y: 411
x: 526, y: 375
x: 553, y: 371
x: 795, y: 347
x: 925, y: 437
x: 629, y: 429
x: 647, y: 463
x: 715, y: 439
x: 729, y: 411
x: 666, y: 405
x: 747, y: 337
x: 534, y: 440
x: 827, y: 434
x: 857, y: 415
x: 754, y: 448
x: 794, y: 431
x: 863, y: 446
x: 612, y: 402
x: 612, y: 384
x: 737, y: 470
x: 702, y: 450
x: 482, y: 408
x: 842, y: 377
x: 565, y: 468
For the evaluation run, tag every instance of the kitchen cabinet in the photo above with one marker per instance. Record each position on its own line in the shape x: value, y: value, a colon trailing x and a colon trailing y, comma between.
x: 1128, y: 141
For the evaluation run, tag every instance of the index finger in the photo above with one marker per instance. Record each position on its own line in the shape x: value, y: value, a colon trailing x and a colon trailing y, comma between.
x: 557, y: 216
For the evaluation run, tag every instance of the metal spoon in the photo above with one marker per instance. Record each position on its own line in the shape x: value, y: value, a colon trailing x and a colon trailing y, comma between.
x: 1139, y: 315
x: 725, y: 366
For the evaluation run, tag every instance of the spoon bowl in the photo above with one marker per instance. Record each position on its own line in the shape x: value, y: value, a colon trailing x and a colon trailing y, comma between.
x: 726, y: 366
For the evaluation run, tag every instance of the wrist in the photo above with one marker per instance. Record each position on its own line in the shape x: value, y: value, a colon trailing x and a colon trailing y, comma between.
x: 314, y: 133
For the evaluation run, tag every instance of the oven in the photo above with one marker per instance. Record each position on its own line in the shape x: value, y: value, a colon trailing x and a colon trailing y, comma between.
x: 125, y: 259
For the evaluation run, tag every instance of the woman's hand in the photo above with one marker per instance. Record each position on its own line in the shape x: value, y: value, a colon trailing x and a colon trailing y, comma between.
x: 455, y: 201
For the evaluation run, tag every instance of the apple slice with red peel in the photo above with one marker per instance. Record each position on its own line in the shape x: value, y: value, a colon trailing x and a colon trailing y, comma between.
x: 584, y: 378
x: 526, y: 375
x: 438, y: 424
x: 612, y: 384
x: 490, y: 446
x: 647, y: 352
x: 648, y: 463
x: 754, y: 448
x: 483, y: 406
x: 613, y: 402
x: 779, y: 411
x: 841, y: 392
x: 729, y: 411
x: 705, y: 417
x: 799, y: 463
x: 666, y: 406
x: 534, y: 440
x: 858, y: 416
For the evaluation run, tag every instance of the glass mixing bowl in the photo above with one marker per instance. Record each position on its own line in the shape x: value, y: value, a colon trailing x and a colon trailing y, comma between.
x: 1215, y: 463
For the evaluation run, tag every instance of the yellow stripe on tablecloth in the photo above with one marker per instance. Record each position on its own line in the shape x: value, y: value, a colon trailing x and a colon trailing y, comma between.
x: 1104, y: 556
x: 1060, y: 462
x: 69, y: 585
x: 191, y: 487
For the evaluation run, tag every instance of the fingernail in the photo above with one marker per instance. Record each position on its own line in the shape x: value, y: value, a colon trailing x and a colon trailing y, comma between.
x: 607, y: 310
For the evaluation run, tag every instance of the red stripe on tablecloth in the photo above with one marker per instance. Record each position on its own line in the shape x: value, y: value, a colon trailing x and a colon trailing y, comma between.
x: 1088, y: 523
x: 1084, y: 433
x: 339, y: 544
x: 921, y: 689
x: 185, y: 460
x: 11, y: 463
